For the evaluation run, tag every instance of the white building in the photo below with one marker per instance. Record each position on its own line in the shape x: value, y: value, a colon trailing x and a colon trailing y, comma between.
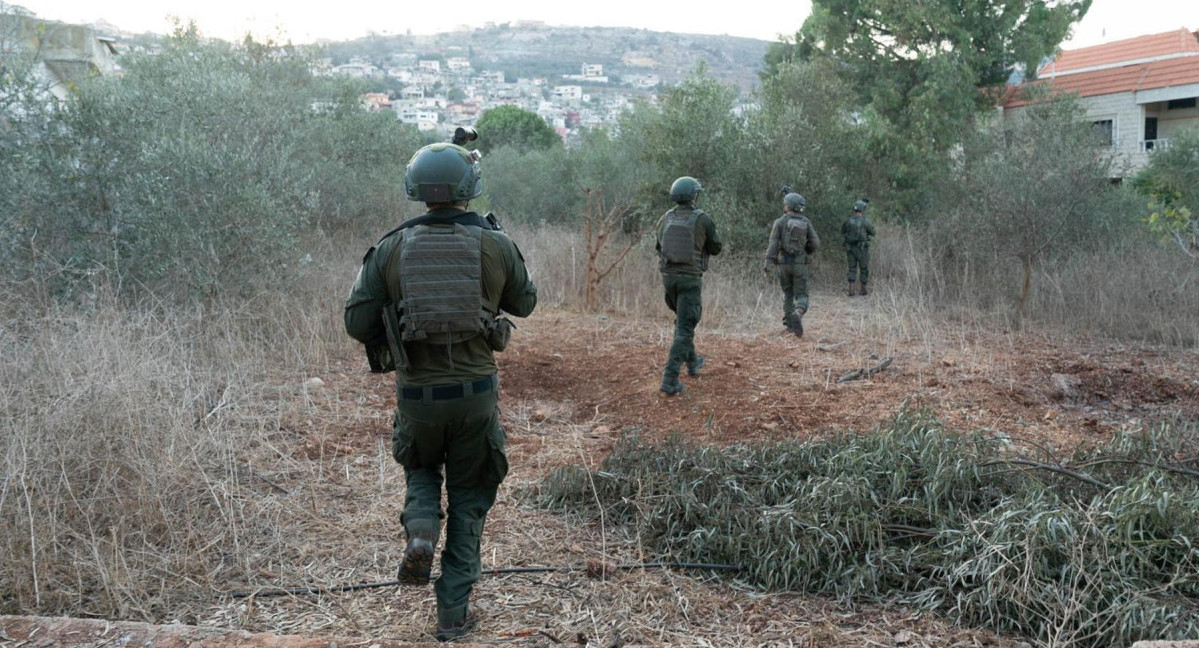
x: 568, y: 92
x: 62, y: 56
x: 431, y: 65
x: 1138, y: 92
x: 357, y: 70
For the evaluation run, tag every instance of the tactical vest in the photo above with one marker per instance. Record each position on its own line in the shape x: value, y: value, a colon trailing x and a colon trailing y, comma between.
x: 855, y: 231
x: 794, y: 234
x: 441, y: 271
x: 678, y: 238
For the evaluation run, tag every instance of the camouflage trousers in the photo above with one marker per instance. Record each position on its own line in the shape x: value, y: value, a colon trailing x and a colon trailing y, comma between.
x: 684, y: 296
x: 858, y: 257
x: 459, y: 441
x: 793, y: 278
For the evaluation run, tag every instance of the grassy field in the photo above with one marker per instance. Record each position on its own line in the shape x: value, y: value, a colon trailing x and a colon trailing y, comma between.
x: 157, y: 455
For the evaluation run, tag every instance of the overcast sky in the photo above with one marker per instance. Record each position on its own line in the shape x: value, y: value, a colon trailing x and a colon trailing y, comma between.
x: 343, y: 19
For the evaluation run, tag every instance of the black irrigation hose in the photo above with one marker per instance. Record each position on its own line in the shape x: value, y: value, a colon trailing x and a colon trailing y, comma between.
x: 284, y: 591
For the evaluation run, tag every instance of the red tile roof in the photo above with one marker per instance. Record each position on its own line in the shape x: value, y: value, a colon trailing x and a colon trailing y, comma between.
x: 1166, y: 60
x: 1127, y: 78
x: 1179, y: 41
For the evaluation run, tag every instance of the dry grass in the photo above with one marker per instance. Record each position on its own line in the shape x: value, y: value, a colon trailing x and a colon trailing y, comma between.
x: 1144, y: 294
x: 155, y: 455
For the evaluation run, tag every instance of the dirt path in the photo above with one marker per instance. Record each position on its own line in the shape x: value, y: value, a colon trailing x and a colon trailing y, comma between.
x: 755, y: 385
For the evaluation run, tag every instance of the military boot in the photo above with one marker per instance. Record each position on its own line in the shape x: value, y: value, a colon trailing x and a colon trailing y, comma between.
x: 418, y: 558
x: 797, y: 318
x: 852, y: 290
x: 451, y: 631
x: 864, y: 293
x: 694, y: 366
x: 671, y: 386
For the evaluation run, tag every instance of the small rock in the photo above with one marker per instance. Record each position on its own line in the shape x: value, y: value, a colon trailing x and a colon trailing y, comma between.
x: 948, y: 362
x: 601, y: 430
x: 733, y: 364
x: 770, y: 426
x: 1065, y: 387
x: 794, y: 364
x: 903, y: 637
x: 539, y: 415
x: 314, y: 383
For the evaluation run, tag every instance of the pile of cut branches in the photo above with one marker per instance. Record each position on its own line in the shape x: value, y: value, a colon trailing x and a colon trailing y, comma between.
x: 1094, y: 551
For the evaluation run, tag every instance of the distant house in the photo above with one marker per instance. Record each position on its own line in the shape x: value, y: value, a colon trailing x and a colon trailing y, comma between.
x: 568, y: 92
x: 61, y: 55
x: 376, y: 101
x: 357, y: 70
x: 1138, y: 92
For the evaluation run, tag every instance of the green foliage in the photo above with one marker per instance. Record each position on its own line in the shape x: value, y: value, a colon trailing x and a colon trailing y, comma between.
x: 532, y: 186
x: 201, y: 169
x: 918, y: 69
x: 1171, y: 185
x: 1034, y: 186
x: 695, y: 132
x: 1095, y: 552
x: 515, y: 127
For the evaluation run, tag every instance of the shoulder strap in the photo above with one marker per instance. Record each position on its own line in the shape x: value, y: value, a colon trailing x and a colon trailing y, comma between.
x: 469, y: 219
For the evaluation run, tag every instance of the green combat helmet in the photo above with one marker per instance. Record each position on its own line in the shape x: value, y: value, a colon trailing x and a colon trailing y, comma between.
x: 684, y: 190
x: 859, y: 206
x: 794, y: 202
x: 443, y: 173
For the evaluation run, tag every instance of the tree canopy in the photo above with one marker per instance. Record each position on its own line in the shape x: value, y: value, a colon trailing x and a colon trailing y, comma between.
x: 516, y: 127
x: 919, y: 67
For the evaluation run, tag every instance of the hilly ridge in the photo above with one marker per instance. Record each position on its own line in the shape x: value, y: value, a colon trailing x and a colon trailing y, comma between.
x: 551, y: 51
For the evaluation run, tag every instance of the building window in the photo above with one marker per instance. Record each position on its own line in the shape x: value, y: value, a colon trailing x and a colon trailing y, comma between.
x: 1104, y: 131
x: 1176, y: 104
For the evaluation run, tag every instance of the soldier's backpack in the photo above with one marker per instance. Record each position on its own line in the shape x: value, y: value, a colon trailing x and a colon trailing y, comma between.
x: 855, y: 231
x: 794, y: 234
x: 678, y: 236
x: 441, y: 273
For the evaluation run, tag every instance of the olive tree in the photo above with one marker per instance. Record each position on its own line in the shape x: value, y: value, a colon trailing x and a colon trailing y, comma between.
x: 1029, y: 188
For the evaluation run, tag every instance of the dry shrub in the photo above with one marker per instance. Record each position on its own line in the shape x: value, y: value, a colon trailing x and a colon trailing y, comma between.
x: 131, y: 436
x: 1137, y: 291
x: 737, y: 296
x: 1094, y: 552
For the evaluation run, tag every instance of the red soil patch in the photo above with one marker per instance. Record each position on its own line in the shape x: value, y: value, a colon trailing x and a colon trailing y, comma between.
x: 772, y: 385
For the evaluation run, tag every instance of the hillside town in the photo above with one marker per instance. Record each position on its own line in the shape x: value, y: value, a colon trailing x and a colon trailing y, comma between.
x: 441, y: 93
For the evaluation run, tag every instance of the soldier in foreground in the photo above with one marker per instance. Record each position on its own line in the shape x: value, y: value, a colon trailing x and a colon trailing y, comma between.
x: 792, y: 239
x: 686, y: 237
x: 857, y: 232
x: 427, y: 304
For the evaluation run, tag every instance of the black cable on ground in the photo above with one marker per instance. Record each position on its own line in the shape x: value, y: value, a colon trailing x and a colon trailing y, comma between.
x: 285, y: 591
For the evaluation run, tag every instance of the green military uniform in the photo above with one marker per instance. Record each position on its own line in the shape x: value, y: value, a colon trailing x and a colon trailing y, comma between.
x: 857, y: 232
x: 683, y: 284
x: 447, y: 395
x: 792, y: 239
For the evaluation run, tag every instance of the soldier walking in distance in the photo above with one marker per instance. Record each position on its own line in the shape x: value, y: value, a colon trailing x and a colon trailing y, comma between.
x: 686, y: 237
x: 792, y: 239
x: 427, y: 304
x: 857, y: 232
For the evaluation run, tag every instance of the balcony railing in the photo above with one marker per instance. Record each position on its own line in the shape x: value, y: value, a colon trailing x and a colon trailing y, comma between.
x: 1154, y: 144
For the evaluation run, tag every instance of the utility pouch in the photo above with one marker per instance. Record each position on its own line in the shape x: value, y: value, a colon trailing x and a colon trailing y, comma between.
x: 395, y: 344
x: 500, y: 334
x: 379, y: 358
